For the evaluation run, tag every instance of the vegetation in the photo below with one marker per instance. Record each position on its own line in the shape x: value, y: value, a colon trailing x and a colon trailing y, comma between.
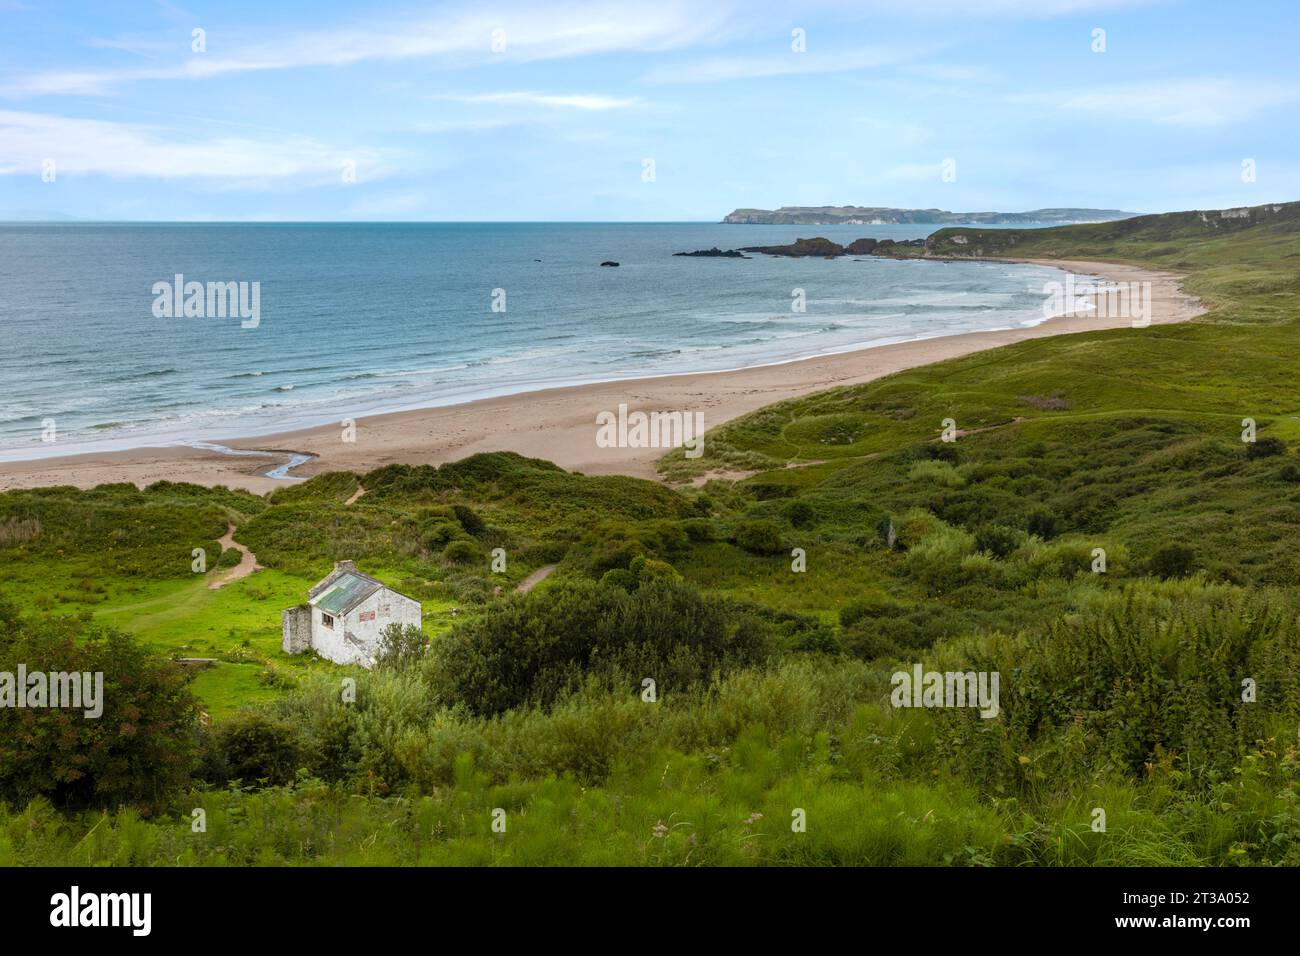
x: 712, y: 664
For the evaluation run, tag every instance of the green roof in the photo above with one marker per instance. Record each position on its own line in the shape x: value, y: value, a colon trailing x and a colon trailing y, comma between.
x: 347, y: 590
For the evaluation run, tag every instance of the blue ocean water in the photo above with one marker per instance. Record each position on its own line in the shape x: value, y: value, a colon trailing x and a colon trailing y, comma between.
x: 362, y: 318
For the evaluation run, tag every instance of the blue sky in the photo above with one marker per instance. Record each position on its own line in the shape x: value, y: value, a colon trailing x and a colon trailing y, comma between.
x: 373, y: 111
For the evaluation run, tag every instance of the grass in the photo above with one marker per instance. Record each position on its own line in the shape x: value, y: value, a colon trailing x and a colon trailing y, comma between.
x: 1122, y: 690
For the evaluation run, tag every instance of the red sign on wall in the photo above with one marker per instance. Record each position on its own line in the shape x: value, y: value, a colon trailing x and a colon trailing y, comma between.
x: 367, y: 615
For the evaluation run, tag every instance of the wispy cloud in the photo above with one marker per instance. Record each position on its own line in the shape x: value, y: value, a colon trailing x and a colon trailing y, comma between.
x: 577, y: 101
x: 82, y: 146
x: 1188, y: 102
x: 470, y: 35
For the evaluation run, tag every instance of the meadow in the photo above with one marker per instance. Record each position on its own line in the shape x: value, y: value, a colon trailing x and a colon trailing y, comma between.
x: 1159, y: 686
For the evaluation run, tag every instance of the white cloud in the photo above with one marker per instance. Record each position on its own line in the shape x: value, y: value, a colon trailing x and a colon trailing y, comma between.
x: 82, y: 147
x: 1190, y: 102
x: 456, y: 38
x: 580, y: 101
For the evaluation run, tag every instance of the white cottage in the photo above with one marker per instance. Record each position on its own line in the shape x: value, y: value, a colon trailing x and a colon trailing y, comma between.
x: 345, y: 615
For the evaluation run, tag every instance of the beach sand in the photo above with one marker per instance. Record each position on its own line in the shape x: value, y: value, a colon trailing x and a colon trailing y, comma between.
x: 559, y: 424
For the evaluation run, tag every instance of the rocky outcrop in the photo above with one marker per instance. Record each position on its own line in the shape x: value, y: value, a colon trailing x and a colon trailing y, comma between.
x: 715, y: 253
x: 821, y: 247
x: 817, y: 246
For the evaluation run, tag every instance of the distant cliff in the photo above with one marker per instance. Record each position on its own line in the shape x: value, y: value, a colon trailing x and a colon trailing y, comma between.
x: 874, y: 215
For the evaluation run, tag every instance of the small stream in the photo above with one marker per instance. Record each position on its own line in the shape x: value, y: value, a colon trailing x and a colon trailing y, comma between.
x: 279, y: 472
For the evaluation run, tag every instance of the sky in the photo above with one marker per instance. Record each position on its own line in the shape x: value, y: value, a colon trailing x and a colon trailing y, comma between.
x: 640, y: 111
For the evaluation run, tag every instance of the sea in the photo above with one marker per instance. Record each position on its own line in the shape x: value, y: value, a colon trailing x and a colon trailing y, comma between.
x: 358, y: 319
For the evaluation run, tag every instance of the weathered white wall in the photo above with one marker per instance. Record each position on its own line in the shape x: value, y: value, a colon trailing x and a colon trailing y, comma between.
x: 295, y: 626
x: 355, y: 636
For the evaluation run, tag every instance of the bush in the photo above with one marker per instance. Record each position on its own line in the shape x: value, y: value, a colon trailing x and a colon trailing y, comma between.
x: 613, y: 544
x: 1264, y: 448
x: 648, y: 569
x: 254, y: 748
x: 140, y: 750
x: 1173, y: 561
x: 400, y: 646
x: 462, y: 551
x: 698, y: 530
x: 863, y: 607
x: 800, y: 514
x: 538, y: 646
x: 470, y: 521
x: 619, y: 578
x: 997, y: 540
x: 759, y: 537
x: 935, y: 471
x: 1043, y: 523
x: 818, y: 640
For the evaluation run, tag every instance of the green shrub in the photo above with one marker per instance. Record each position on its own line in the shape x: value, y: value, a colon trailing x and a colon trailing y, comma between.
x: 620, y: 578
x: 140, y: 750
x: 1265, y: 448
x: 462, y: 551
x: 698, y: 530
x: 1043, y: 523
x: 1173, y: 561
x: 937, y: 472
x: 759, y: 537
x: 538, y: 646
x: 400, y: 646
x: 469, y: 520
x: 800, y: 514
x: 255, y: 749
x: 997, y: 540
x: 863, y: 607
x: 649, y: 569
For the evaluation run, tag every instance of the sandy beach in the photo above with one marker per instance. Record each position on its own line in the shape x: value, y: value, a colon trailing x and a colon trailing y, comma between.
x: 560, y: 424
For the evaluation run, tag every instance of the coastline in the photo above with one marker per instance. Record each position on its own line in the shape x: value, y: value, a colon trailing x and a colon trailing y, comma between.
x: 559, y: 424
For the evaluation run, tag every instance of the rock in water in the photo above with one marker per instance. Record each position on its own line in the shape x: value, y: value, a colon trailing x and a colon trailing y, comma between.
x: 715, y: 252
x: 818, y: 246
x: 609, y: 262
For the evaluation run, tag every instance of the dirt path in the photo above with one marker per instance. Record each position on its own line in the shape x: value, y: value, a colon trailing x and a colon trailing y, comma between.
x: 355, y: 495
x: 246, y: 566
x: 536, y: 578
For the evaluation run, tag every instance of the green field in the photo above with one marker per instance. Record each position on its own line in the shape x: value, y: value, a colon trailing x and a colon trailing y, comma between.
x: 1122, y: 691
